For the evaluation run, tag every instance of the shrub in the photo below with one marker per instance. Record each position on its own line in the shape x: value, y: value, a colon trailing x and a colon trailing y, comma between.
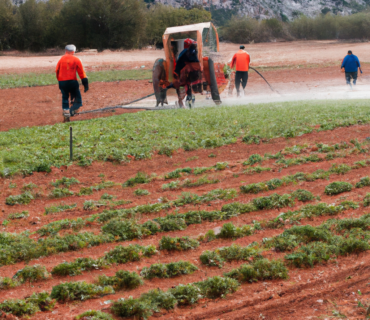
x: 23, y: 198
x: 60, y: 193
x: 32, y: 274
x: 141, y: 192
x: 70, y: 291
x: 18, y: 215
x: 367, y: 200
x: 123, y: 280
x: 186, y: 294
x: 212, y: 259
x: 217, y: 287
x: 184, y: 243
x: 140, y: 178
x: 303, y: 195
x: 170, y: 270
x: 337, y: 187
x: 94, y: 315
x: 364, y: 182
x: 67, y: 182
x: 261, y: 269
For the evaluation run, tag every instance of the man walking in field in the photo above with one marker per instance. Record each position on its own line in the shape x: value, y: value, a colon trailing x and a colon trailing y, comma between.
x: 66, y: 70
x: 241, y: 61
x: 350, y: 64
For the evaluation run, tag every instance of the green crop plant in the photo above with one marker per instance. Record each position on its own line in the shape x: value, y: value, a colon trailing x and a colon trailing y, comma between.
x: 187, y: 183
x: 236, y: 252
x: 107, y: 196
x: 273, y: 201
x: 130, y: 253
x: 23, y: 198
x: 338, y: 187
x: 170, y: 270
x: 86, y: 191
x: 8, y: 283
x: 260, y: 269
x: 29, y: 306
x: 211, y: 259
x: 65, y: 182
x: 228, y: 230
x: 140, y: 178
x: 364, y: 182
x: 171, y: 185
x: 70, y: 291
x: 141, y: 192
x: 29, y: 186
x: 32, y: 274
x: 122, y: 280
x: 177, y: 173
x: 92, y: 205
x: 130, y: 307
x: 303, y: 195
x: 54, y: 227
x: 217, y: 287
x: 187, y: 294
x: 180, y: 244
x: 340, y: 169
x: 125, y: 230
x: 257, y: 169
x: 171, y: 223
x: 12, y: 185
x: 18, y: 215
x: 367, y: 200
x: 94, y: 315
x: 252, y: 139
x: 253, y: 159
x: 78, y: 266
x: 59, y: 208
x: 60, y: 193
x: 159, y: 299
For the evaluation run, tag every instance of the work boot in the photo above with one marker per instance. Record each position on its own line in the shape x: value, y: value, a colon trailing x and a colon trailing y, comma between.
x: 66, y: 113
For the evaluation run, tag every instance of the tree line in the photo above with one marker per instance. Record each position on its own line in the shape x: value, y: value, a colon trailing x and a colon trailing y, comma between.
x: 95, y: 24
x: 127, y: 24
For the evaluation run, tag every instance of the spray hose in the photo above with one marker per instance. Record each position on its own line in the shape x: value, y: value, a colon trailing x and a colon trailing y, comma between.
x: 264, y: 79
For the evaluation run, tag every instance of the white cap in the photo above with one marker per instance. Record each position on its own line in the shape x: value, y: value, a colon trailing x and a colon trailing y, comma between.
x: 71, y: 47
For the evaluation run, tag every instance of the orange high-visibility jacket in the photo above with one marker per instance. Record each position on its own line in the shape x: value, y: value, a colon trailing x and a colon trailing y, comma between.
x: 241, y: 59
x: 67, y: 67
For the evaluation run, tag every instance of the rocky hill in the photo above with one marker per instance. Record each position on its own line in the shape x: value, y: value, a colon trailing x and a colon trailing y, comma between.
x: 285, y: 9
x: 262, y: 9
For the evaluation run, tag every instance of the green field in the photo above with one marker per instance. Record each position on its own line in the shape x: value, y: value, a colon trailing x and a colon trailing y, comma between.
x: 142, y: 134
x: 44, y: 79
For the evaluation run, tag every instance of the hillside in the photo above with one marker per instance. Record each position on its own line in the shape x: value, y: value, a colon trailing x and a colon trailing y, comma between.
x: 286, y: 9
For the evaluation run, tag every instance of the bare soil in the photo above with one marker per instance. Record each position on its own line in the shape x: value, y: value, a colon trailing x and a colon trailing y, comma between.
x: 323, y: 292
x: 307, y: 294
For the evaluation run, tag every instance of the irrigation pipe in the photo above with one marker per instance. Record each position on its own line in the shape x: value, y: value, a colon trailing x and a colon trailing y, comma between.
x: 264, y: 79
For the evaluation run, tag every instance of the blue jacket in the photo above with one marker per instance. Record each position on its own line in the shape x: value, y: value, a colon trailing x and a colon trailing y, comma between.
x: 350, y: 63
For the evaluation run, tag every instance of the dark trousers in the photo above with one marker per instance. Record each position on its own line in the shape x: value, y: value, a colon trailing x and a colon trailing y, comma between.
x: 351, y: 75
x: 70, y: 90
x: 241, y: 77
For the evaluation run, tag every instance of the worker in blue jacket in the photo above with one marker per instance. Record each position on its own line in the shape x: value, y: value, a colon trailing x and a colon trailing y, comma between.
x: 350, y: 64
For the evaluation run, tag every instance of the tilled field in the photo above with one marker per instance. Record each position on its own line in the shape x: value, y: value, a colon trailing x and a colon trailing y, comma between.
x: 266, y: 205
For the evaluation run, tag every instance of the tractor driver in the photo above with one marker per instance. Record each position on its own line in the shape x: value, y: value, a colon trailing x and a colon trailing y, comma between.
x: 187, y: 71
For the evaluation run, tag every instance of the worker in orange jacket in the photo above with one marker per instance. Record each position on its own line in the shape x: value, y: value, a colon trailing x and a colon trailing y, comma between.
x: 241, y: 61
x: 66, y: 70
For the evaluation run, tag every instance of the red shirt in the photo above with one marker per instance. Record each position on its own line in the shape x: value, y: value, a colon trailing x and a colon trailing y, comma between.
x: 67, y: 67
x: 241, y: 59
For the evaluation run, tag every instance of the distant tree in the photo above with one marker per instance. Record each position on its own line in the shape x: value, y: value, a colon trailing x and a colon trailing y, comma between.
x: 8, y: 26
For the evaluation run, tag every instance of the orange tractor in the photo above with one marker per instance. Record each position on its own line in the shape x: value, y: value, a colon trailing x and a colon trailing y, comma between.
x: 211, y: 77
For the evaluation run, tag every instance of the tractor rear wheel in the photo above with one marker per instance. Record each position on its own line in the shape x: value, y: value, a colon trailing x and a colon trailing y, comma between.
x: 159, y: 77
x: 213, y: 85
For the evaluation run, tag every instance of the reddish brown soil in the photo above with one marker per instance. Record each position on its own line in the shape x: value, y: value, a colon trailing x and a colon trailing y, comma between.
x: 299, y: 297
x: 42, y: 105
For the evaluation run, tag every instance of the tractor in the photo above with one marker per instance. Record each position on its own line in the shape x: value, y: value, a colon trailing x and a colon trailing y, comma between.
x: 212, y: 79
